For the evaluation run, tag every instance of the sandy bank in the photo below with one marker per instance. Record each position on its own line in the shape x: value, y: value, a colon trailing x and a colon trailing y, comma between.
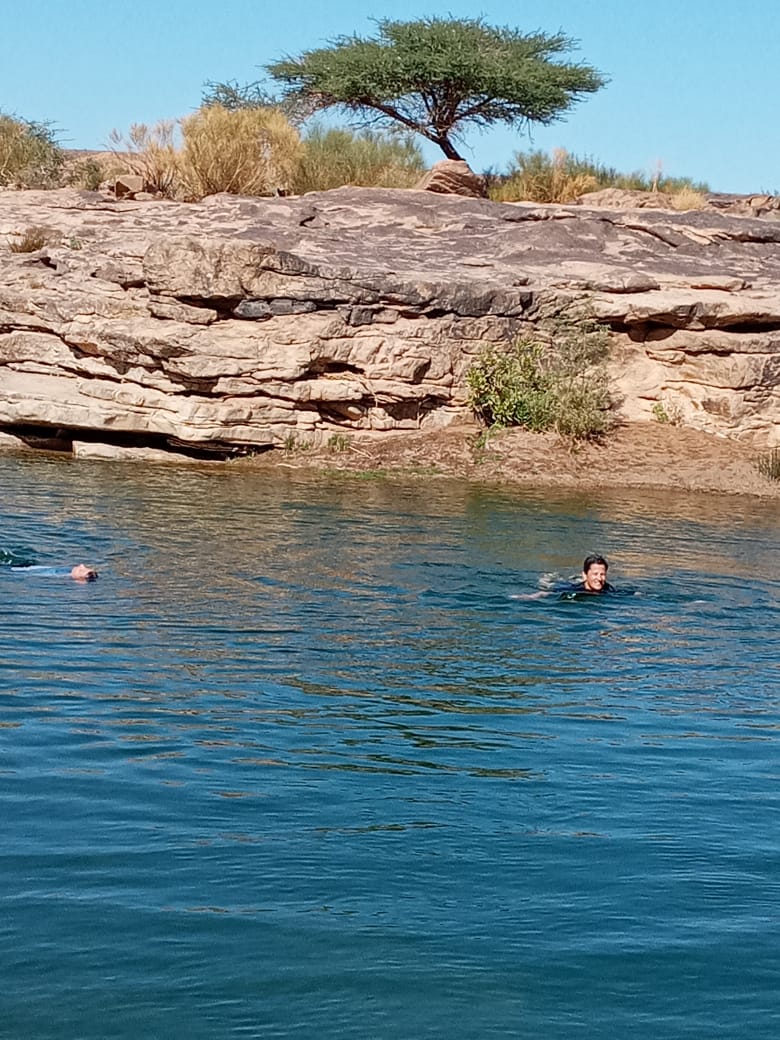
x: 639, y: 455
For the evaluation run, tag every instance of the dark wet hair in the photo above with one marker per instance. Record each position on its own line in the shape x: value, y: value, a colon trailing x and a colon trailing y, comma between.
x: 594, y: 560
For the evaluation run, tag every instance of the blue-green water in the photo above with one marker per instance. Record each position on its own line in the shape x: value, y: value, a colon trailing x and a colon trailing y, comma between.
x: 298, y: 765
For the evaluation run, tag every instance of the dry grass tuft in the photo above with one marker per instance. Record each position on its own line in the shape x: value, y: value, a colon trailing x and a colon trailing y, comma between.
x: 150, y: 152
x: 539, y: 178
x: 247, y: 151
x: 688, y: 199
x: 561, y: 177
x: 30, y: 240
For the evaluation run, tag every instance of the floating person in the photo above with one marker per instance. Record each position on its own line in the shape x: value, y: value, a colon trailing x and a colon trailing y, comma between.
x: 594, y: 582
x: 81, y: 572
x: 20, y: 564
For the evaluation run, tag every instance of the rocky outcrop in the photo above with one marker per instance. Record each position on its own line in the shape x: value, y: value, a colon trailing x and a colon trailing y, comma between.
x: 238, y: 324
x: 741, y: 205
x: 453, y: 177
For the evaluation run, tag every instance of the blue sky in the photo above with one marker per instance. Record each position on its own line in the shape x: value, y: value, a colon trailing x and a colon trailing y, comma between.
x: 693, y: 84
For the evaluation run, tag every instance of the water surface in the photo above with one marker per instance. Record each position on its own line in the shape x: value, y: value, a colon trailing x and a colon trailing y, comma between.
x: 299, y: 765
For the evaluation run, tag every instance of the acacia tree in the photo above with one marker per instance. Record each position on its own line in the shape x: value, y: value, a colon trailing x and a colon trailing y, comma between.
x: 437, y: 75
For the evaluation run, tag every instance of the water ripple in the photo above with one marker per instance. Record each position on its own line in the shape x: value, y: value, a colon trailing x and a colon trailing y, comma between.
x: 300, y: 764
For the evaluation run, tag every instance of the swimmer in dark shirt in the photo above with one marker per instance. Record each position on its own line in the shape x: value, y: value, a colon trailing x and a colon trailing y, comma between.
x: 594, y: 577
x: 594, y: 582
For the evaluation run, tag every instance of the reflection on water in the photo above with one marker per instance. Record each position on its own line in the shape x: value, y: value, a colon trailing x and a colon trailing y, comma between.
x: 300, y: 765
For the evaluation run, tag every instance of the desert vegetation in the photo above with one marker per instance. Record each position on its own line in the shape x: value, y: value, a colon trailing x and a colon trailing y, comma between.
x: 432, y: 79
x: 768, y: 465
x: 29, y: 241
x: 551, y: 379
x: 30, y: 156
x: 561, y: 177
x: 244, y: 152
x: 250, y: 151
x: 438, y: 76
x: 258, y: 151
x: 368, y: 158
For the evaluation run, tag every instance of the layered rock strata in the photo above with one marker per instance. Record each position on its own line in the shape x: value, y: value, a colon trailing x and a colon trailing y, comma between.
x: 252, y: 323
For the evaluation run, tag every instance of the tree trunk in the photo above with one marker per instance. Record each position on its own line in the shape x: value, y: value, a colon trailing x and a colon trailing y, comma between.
x: 449, y: 150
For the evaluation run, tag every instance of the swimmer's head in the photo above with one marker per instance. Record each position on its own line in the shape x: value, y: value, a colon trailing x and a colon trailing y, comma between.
x: 83, y: 573
x: 594, y: 572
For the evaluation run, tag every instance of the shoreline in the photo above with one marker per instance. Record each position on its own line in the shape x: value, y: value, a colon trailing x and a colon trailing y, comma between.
x: 645, y: 456
x: 641, y: 455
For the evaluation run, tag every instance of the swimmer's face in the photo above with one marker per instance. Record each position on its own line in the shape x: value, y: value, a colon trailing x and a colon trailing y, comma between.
x: 595, y: 577
x: 83, y: 573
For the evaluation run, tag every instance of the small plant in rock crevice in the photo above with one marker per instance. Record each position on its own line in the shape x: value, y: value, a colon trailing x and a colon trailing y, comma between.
x: 551, y: 379
x: 768, y: 465
x: 660, y: 414
x: 29, y: 241
x: 338, y: 443
x: 292, y: 444
x: 666, y: 413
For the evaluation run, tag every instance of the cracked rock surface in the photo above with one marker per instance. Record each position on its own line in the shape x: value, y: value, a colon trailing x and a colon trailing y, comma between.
x: 244, y: 323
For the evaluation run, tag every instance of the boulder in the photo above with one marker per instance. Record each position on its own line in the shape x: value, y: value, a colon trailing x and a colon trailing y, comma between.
x: 453, y: 177
x: 128, y: 185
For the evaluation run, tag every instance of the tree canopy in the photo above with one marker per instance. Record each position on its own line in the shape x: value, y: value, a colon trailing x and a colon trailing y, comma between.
x: 435, y: 76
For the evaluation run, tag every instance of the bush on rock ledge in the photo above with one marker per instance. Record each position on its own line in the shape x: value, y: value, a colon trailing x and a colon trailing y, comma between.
x: 553, y: 379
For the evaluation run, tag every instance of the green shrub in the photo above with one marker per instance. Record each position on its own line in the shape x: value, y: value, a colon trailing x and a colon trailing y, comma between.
x: 87, y: 174
x: 538, y: 177
x: 667, y: 413
x: 508, y: 386
x: 660, y: 414
x: 553, y: 379
x: 30, y: 156
x: 338, y: 443
x: 332, y: 158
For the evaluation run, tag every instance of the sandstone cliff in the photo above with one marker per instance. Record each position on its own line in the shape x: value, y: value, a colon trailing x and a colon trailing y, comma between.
x: 244, y: 323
